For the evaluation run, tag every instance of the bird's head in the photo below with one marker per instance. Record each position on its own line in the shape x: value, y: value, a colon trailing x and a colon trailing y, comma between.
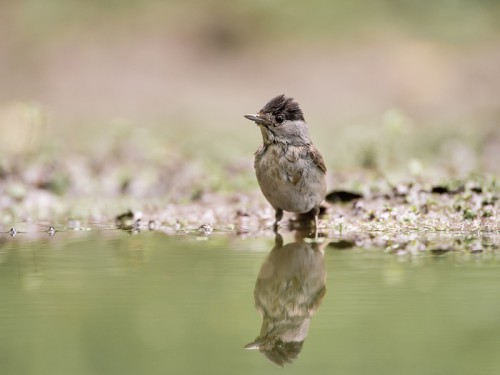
x: 281, y: 121
x: 276, y: 349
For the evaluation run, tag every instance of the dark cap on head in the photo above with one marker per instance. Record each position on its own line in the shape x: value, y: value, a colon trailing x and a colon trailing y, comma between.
x: 285, y: 354
x: 285, y: 106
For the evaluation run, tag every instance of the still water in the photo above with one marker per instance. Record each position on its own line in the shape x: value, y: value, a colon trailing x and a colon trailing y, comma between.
x: 106, y: 302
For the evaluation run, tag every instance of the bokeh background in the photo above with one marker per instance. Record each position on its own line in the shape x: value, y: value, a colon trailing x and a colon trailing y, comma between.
x: 405, y: 88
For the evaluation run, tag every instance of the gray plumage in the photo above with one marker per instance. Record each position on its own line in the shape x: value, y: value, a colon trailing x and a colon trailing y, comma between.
x: 290, y: 170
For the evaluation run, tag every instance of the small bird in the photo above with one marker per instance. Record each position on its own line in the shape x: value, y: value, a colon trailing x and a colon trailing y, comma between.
x: 290, y: 170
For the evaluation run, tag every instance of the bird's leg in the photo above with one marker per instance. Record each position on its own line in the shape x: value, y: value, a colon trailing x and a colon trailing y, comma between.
x: 315, y: 213
x: 278, y: 241
x: 278, y: 216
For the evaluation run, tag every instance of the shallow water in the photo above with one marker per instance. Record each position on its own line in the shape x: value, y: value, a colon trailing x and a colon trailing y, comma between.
x: 107, y: 302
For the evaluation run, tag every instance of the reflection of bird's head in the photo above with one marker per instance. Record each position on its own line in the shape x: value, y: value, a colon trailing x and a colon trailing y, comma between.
x: 282, y: 120
x: 288, y: 291
x: 277, y: 350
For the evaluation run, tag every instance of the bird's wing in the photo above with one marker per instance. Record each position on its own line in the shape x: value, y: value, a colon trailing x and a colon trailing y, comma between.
x: 295, y: 169
x: 316, y: 158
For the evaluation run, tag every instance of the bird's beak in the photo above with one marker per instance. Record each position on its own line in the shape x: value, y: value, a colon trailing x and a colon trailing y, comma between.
x: 254, y: 345
x: 256, y: 118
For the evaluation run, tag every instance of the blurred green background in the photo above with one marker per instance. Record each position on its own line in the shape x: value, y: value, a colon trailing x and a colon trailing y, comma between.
x: 403, y: 87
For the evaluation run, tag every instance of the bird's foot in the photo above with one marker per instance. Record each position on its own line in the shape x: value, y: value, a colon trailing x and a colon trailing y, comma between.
x: 276, y: 226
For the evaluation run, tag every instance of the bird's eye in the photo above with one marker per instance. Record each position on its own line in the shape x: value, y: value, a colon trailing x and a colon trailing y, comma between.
x: 280, y: 119
x: 279, y: 343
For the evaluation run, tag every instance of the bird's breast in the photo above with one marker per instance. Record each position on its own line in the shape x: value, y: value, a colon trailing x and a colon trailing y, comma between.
x: 288, y: 178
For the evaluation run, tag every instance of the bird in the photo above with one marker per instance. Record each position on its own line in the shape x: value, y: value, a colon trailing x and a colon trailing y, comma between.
x: 289, y: 290
x: 290, y: 170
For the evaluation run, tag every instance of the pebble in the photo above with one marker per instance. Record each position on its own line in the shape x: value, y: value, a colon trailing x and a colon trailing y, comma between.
x: 206, y: 229
x: 51, y: 231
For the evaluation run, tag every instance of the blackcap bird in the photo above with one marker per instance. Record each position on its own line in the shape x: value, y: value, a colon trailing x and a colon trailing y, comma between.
x: 290, y: 170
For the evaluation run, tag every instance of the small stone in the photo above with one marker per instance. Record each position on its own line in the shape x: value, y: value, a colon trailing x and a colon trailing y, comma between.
x: 440, y: 189
x: 242, y: 224
x: 439, y: 251
x: 401, y: 190
x: 476, y: 247
x: 206, y: 229
x: 153, y: 225
x: 137, y: 225
x: 342, y: 196
x: 342, y: 244
x: 125, y: 221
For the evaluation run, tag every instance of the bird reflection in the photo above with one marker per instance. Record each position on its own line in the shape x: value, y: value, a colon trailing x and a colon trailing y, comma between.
x: 288, y: 291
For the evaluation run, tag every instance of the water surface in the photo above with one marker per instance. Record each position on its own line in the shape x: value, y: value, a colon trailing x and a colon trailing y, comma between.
x: 106, y: 302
